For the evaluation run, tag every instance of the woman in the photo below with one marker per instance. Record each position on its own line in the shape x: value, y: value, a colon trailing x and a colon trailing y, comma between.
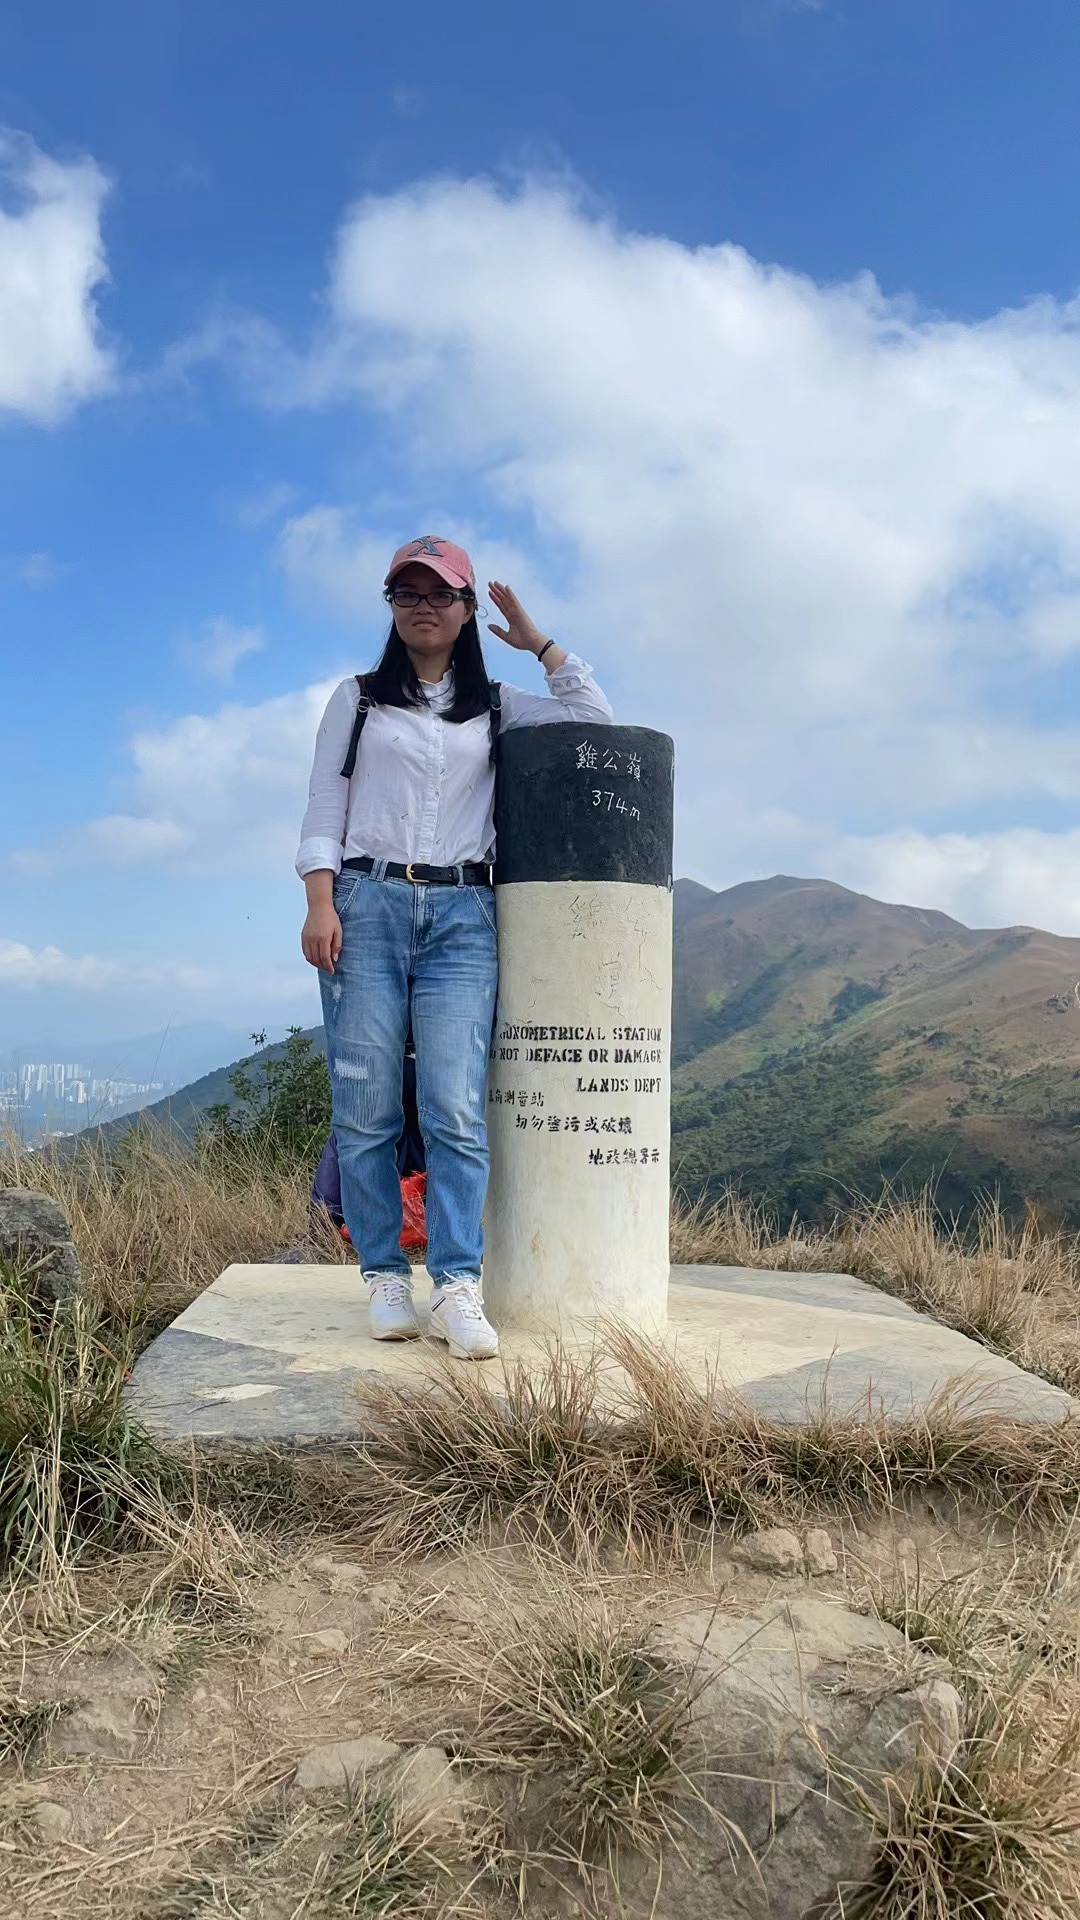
x: 395, y: 855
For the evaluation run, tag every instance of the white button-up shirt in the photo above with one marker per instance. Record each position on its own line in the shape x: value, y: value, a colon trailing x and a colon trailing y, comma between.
x: 424, y: 787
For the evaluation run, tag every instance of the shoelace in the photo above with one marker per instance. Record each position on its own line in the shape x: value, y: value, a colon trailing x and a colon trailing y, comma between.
x: 396, y: 1293
x: 466, y: 1301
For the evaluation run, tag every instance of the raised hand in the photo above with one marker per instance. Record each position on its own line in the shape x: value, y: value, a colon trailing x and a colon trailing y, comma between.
x: 519, y: 631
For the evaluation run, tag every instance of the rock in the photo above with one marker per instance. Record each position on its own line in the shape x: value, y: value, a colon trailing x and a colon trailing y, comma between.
x: 793, y: 1707
x: 770, y: 1550
x: 327, y: 1640
x: 429, y: 1792
x: 53, y: 1822
x: 341, y: 1763
x: 337, y: 1569
x: 820, y: 1553
x: 385, y: 1594
x: 104, y: 1728
x: 34, y: 1227
x: 351, y: 1576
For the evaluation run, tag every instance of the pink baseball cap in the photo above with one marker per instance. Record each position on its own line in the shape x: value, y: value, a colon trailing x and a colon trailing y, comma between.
x: 451, y: 563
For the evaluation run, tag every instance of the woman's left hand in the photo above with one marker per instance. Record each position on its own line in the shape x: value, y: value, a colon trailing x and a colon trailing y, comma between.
x: 519, y: 631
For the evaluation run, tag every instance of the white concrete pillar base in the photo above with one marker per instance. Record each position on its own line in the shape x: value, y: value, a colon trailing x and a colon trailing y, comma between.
x: 578, y: 1107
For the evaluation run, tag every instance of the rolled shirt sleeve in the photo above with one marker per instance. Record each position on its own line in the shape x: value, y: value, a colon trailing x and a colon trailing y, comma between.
x: 322, y: 834
x: 572, y: 694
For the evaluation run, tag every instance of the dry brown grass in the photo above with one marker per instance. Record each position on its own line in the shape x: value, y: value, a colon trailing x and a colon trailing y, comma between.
x: 362, y: 1858
x: 675, y: 1461
x: 1013, y: 1289
x: 565, y: 1694
x: 155, y: 1221
x: 995, y: 1832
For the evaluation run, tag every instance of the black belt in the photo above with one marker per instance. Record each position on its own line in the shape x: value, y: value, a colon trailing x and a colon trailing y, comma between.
x: 478, y: 875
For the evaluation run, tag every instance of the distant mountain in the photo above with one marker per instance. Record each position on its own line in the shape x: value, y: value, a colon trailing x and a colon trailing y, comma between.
x: 172, y: 1055
x: 824, y: 1042
x: 181, y: 1111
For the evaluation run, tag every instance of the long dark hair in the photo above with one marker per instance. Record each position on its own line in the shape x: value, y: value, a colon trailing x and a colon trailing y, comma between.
x: 394, y: 681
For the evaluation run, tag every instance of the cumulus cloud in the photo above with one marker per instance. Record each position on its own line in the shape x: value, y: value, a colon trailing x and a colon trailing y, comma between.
x: 340, y: 566
x: 218, y: 793
x: 220, y: 647
x: 1019, y: 876
x: 52, y: 261
x: 832, y: 544
x: 29, y: 968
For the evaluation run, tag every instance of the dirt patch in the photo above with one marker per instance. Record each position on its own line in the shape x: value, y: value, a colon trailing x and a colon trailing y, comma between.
x: 166, y: 1774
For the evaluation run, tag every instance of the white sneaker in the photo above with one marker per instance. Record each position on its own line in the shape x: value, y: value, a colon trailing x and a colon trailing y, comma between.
x: 457, y: 1316
x: 393, y: 1310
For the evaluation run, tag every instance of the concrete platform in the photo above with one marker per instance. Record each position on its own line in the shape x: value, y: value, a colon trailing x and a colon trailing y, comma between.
x: 281, y: 1354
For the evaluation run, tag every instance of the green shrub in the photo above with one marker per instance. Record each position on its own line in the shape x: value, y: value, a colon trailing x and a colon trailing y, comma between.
x: 280, y: 1108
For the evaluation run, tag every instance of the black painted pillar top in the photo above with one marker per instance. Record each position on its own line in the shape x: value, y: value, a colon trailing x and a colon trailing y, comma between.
x: 581, y: 802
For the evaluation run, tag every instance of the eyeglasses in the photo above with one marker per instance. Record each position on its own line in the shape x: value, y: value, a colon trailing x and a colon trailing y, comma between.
x: 441, y: 598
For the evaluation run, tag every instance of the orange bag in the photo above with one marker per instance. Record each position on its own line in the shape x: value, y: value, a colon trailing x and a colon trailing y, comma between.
x: 413, y: 1221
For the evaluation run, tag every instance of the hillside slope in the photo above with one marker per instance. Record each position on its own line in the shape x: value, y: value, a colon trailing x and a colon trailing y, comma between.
x: 825, y: 1042
x: 181, y: 1112
x: 971, y: 1039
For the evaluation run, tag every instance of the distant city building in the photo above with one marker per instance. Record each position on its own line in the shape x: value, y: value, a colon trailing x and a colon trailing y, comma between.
x: 54, y: 1097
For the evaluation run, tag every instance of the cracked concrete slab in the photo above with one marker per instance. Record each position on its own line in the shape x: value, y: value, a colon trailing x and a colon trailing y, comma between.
x: 282, y: 1354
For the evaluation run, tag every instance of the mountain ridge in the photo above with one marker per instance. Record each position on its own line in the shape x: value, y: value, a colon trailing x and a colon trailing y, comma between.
x: 963, y: 1044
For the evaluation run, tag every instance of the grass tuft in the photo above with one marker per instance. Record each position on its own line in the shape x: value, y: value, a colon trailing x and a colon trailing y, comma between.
x: 71, y: 1456
x: 365, y: 1858
x: 571, y: 1698
x: 23, y: 1723
x: 994, y: 1834
x: 459, y: 1463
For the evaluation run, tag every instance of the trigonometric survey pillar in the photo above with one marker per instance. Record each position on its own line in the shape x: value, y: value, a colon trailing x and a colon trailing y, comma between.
x: 578, y: 1101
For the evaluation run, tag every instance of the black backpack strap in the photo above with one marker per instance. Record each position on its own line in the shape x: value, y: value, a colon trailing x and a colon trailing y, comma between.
x: 363, y: 707
x: 495, y: 690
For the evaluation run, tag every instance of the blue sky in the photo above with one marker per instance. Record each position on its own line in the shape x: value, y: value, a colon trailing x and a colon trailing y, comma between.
x: 742, y: 337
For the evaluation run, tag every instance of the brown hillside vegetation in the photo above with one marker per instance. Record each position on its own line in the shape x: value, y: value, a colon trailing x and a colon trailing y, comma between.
x: 973, y: 1031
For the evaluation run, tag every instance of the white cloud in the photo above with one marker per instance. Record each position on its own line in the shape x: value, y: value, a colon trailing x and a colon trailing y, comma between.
x: 264, y: 504
x: 38, y: 569
x: 27, y: 968
x: 340, y: 567
x: 1019, y: 877
x: 52, y: 261
x: 219, y: 793
x: 831, y: 544
x: 221, y: 646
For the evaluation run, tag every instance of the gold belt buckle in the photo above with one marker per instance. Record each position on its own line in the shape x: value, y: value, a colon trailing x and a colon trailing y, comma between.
x: 410, y: 875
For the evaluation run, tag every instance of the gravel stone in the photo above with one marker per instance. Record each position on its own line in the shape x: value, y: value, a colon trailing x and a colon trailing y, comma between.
x: 820, y: 1552
x: 771, y: 1550
x: 341, y: 1763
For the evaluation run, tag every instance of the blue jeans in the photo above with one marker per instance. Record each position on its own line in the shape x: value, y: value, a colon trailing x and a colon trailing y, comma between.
x: 429, y: 952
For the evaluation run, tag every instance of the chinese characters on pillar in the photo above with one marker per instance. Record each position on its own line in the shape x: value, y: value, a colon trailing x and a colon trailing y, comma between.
x: 597, y: 758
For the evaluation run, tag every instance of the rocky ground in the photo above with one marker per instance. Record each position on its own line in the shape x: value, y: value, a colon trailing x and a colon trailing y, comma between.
x: 219, y: 1727
x: 535, y: 1653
